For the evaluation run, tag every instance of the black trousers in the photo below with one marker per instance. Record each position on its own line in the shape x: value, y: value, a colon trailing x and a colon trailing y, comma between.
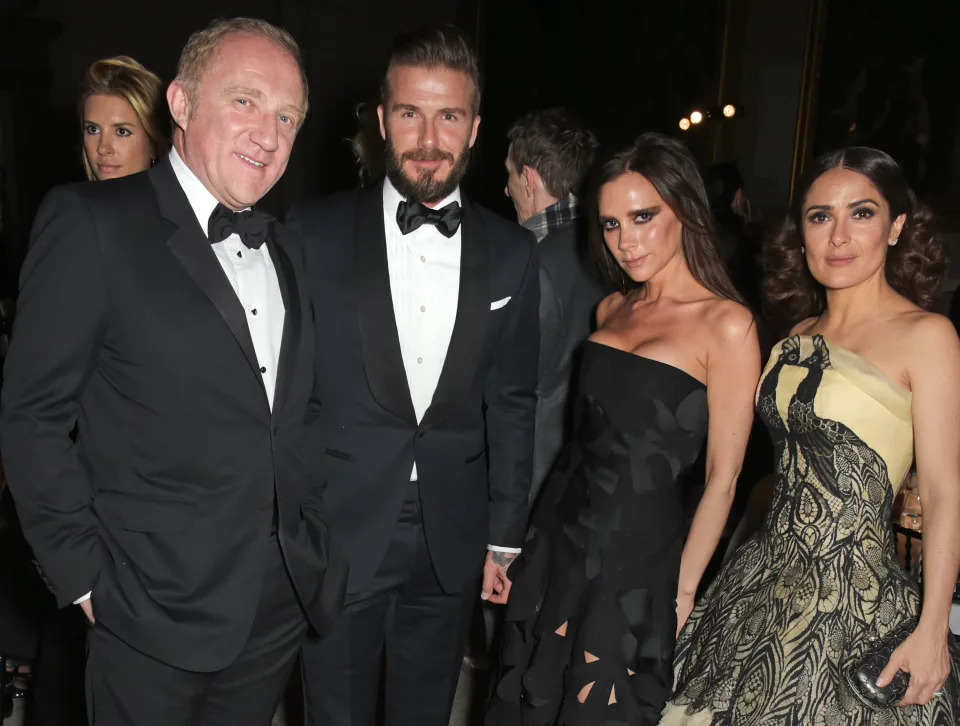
x: 402, y: 622
x: 127, y: 688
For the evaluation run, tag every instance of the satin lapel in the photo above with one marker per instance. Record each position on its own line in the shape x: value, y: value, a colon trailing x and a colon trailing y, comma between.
x: 290, y: 341
x: 379, y: 340
x: 190, y: 246
x: 470, y: 326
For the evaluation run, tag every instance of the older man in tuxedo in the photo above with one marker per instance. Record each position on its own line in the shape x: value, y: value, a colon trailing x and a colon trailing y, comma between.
x: 166, y: 322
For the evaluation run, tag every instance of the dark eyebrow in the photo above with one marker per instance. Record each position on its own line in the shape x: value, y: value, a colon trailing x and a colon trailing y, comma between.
x: 456, y: 110
x: 645, y: 210
x: 405, y: 107
x: 827, y: 207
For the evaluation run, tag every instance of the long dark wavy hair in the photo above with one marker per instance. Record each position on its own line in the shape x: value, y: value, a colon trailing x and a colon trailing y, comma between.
x: 914, y: 267
x: 671, y: 169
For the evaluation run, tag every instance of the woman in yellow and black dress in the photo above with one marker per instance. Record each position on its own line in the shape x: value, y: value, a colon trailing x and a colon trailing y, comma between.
x: 866, y: 377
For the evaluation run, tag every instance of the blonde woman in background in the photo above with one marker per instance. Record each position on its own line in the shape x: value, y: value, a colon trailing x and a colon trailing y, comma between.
x: 123, y: 116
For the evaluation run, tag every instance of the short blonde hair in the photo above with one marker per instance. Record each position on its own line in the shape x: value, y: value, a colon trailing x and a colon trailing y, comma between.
x: 125, y: 78
x: 198, y: 53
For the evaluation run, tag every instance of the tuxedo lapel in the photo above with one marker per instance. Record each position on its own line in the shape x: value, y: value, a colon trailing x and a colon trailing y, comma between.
x: 379, y: 340
x: 290, y: 341
x: 470, y: 325
x: 191, y: 247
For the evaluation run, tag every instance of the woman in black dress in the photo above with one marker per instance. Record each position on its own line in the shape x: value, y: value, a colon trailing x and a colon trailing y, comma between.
x: 608, y: 572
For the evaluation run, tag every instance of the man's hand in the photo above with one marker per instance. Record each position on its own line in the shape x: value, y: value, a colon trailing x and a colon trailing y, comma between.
x: 87, y: 607
x: 496, y: 584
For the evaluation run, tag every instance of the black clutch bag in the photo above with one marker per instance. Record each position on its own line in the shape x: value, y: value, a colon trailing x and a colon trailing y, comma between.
x: 863, y: 673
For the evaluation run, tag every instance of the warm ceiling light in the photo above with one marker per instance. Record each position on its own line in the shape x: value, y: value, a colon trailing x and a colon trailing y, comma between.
x: 696, y: 117
x: 684, y: 123
x: 729, y: 111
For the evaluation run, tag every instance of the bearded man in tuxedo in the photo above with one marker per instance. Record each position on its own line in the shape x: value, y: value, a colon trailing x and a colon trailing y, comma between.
x: 426, y: 315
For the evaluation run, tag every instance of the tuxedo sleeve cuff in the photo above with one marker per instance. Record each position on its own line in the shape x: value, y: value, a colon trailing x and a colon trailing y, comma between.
x: 83, y: 599
x: 511, y: 550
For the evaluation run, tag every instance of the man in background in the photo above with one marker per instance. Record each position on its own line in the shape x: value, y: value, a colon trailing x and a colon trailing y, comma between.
x: 549, y: 156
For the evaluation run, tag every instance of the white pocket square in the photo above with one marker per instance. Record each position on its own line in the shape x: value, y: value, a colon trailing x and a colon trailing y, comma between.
x: 497, y: 304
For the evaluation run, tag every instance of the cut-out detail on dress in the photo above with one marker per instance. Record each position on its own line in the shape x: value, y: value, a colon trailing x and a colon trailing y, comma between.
x: 588, y: 564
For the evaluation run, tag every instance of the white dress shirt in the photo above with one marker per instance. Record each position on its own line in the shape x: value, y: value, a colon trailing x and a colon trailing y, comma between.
x: 251, y: 274
x: 424, y: 268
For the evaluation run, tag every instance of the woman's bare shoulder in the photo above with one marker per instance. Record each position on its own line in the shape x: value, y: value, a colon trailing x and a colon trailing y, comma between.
x: 728, y: 319
x: 609, y: 305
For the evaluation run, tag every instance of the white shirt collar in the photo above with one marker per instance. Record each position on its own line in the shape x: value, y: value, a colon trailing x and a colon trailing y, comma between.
x: 392, y: 198
x: 201, y: 200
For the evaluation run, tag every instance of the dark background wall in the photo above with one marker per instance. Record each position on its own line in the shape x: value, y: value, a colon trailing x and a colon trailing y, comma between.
x: 624, y: 67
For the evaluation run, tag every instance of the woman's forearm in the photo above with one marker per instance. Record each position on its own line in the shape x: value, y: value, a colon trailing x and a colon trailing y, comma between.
x: 705, y: 531
x: 941, y: 557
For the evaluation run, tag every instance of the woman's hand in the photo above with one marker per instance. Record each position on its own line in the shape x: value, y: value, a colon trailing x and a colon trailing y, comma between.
x: 925, y: 656
x: 684, y: 608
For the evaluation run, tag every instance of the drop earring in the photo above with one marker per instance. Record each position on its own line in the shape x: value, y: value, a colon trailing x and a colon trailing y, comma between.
x: 803, y: 250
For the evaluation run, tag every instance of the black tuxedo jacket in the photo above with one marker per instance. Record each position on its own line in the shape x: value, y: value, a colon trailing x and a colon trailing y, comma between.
x: 570, y: 289
x: 474, y: 446
x: 129, y: 329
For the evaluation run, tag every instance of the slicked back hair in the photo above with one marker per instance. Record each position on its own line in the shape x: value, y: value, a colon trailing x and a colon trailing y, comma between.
x: 433, y: 46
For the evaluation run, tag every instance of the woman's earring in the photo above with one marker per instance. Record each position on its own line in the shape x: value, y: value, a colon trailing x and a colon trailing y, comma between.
x: 803, y: 250
x: 894, y: 241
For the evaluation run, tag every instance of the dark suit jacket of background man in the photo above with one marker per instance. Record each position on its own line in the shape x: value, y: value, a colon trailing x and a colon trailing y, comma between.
x: 570, y: 289
x: 473, y: 448
x: 128, y: 327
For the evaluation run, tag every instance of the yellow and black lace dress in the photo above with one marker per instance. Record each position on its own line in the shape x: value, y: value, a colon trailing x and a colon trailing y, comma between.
x: 769, y: 642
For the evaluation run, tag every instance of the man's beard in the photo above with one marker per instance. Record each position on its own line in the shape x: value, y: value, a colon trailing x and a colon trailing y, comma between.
x: 425, y: 188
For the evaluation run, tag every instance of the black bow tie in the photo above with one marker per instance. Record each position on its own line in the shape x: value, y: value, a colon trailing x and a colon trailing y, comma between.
x: 252, y: 226
x: 412, y: 215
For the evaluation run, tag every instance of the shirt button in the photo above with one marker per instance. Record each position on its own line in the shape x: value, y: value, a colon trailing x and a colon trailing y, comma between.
x: 419, y: 360
x: 263, y: 369
x: 423, y: 308
x: 239, y: 253
x: 423, y: 258
x: 253, y: 312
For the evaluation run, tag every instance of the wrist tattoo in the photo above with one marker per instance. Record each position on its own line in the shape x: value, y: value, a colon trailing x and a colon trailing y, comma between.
x: 503, y: 559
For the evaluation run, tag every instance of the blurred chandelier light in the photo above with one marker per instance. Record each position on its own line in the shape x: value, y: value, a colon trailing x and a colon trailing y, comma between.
x: 729, y: 111
x: 696, y: 117
x: 684, y: 123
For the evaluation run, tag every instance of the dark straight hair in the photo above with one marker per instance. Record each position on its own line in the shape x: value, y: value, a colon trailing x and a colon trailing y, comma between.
x: 670, y: 167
